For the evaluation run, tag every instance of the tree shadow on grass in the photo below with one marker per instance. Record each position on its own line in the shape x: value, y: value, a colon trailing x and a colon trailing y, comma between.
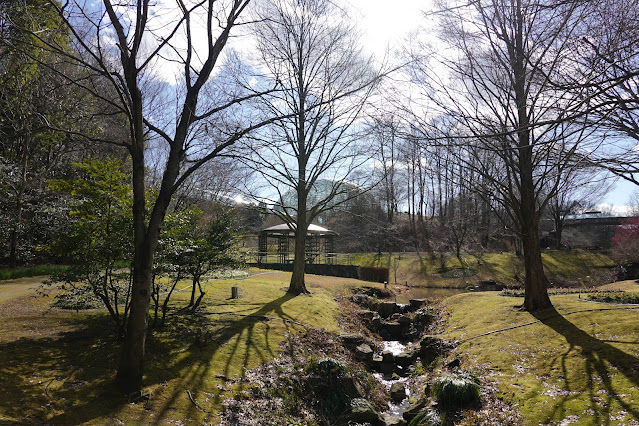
x: 600, y: 358
x: 42, y: 376
x: 227, y: 352
x: 67, y: 378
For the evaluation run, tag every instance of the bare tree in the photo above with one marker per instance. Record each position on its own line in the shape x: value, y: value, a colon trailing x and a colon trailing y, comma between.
x: 121, y: 45
x: 499, y: 58
x: 606, y: 69
x: 310, y: 49
x: 384, y: 130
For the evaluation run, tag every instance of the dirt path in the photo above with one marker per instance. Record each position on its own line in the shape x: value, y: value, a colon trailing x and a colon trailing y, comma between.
x: 11, y: 289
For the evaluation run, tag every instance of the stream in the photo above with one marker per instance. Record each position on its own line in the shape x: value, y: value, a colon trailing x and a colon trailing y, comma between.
x: 394, y: 410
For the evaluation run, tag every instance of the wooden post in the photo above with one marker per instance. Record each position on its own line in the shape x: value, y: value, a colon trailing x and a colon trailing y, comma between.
x: 235, y: 292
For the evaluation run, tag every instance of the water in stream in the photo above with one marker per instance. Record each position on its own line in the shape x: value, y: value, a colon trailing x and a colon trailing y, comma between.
x: 395, y: 410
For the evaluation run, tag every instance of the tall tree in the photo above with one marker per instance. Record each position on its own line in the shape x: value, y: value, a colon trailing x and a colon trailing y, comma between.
x: 29, y: 148
x: 309, y: 48
x: 501, y: 56
x: 607, y: 65
x: 123, y: 46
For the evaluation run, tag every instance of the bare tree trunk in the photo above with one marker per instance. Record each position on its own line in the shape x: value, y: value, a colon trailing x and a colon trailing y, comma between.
x: 298, y: 285
x: 536, y: 283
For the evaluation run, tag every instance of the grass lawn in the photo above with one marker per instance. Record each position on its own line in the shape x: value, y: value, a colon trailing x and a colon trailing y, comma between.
x: 56, y: 366
x: 578, y: 364
x: 421, y: 269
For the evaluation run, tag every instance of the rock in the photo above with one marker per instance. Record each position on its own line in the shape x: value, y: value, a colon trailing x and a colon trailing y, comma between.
x: 376, y: 363
x: 454, y: 363
x: 364, y: 353
x: 363, y: 412
x: 405, y: 320
x: 351, y: 339
x: 394, y: 329
x: 364, y: 300
x: 366, y: 315
x: 394, y: 421
x: 386, y: 309
x: 387, y: 368
x: 375, y: 323
x: 411, y: 412
x: 397, y: 392
x: 349, y: 386
x: 402, y: 371
x: 430, y: 348
x: 387, y: 356
x: 417, y: 303
x: 384, y: 334
x: 404, y: 359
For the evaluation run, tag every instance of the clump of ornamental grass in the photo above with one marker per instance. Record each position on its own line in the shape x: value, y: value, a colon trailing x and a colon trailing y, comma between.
x: 456, y: 389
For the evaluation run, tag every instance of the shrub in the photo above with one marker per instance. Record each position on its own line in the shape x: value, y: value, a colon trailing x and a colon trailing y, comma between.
x: 456, y: 389
x: 76, y: 299
x: 613, y: 296
x: 31, y: 271
x: 375, y: 274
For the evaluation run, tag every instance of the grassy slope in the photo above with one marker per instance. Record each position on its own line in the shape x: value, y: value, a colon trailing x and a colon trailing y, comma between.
x: 50, y: 363
x: 562, y: 267
x: 582, y: 367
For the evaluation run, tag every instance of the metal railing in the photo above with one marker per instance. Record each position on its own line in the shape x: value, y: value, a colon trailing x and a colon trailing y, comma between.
x: 311, y: 257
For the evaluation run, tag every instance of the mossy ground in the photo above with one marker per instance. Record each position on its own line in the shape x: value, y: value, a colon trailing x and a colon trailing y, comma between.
x: 57, y: 366
x: 576, y: 364
x: 563, y: 267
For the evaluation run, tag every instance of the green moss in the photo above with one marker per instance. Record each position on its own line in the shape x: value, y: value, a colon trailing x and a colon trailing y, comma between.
x: 570, y: 362
x: 56, y: 366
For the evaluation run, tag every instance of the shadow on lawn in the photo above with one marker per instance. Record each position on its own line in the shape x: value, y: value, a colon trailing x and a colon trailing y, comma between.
x: 67, y: 379
x: 600, y: 359
x: 44, y: 376
x: 237, y: 338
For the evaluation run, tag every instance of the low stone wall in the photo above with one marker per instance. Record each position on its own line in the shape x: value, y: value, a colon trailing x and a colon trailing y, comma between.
x: 343, y: 271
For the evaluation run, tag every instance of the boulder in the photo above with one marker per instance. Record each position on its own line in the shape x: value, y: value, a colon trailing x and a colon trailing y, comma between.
x: 387, y: 368
x: 404, y: 359
x: 384, y: 334
x: 364, y: 353
x: 352, y: 339
x: 366, y: 315
x: 413, y: 410
x: 405, y: 320
x: 386, y: 309
x: 375, y: 323
x: 454, y: 363
x: 430, y: 348
x: 417, y: 303
x: 397, y: 392
x: 362, y: 411
x: 394, y: 421
x: 388, y: 357
x: 394, y: 329
x: 376, y: 363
